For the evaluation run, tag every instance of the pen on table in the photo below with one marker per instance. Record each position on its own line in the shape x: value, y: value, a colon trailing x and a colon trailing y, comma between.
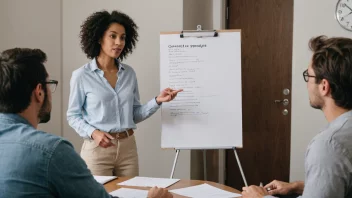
x: 261, y: 185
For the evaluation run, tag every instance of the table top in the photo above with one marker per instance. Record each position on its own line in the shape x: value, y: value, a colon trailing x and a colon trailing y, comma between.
x: 111, y: 186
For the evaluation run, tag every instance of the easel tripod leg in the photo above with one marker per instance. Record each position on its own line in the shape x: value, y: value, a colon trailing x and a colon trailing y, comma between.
x: 174, y: 166
x: 239, y: 165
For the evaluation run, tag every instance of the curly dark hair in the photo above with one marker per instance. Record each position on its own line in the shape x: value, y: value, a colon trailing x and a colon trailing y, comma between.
x: 94, y: 27
x: 332, y: 60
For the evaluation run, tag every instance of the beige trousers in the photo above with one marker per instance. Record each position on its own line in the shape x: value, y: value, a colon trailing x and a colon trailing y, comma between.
x: 120, y: 160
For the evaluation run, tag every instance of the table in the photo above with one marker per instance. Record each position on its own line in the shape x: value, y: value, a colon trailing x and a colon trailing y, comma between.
x: 111, y: 186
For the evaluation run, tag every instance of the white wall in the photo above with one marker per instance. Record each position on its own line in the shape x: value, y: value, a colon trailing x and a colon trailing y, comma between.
x: 219, y: 14
x: 36, y: 24
x: 197, y: 12
x: 307, y: 122
x: 152, y: 17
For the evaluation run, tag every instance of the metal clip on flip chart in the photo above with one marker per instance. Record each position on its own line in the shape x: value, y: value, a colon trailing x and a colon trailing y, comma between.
x: 198, y: 33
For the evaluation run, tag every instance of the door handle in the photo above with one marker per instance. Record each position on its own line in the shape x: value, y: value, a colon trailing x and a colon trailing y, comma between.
x: 285, y: 102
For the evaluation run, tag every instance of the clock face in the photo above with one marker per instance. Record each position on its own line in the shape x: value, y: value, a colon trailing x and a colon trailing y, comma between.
x: 344, y: 13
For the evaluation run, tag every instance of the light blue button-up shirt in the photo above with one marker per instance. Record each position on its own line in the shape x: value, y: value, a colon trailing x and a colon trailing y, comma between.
x: 37, y: 164
x: 94, y: 104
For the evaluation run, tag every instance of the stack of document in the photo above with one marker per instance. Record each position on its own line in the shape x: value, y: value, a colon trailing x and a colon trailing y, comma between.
x: 104, y: 179
x: 129, y: 193
x: 204, y: 191
x: 149, y: 182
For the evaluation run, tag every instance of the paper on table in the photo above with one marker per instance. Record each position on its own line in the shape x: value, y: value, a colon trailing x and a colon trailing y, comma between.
x: 204, y: 190
x: 104, y: 179
x: 129, y: 193
x: 149, y: 182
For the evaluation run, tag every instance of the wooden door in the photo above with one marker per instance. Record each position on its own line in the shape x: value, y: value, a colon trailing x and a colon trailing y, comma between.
x: 266, y: 71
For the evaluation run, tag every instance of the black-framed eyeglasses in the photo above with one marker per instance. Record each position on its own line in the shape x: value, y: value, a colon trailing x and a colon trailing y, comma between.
x: 306, y: 75
x: 52, y: 85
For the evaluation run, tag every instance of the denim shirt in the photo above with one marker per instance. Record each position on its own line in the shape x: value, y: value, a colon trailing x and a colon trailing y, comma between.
x: 37, y: 164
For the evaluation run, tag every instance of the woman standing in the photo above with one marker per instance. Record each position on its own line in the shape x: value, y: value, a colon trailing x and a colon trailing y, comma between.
x: 104, y: 104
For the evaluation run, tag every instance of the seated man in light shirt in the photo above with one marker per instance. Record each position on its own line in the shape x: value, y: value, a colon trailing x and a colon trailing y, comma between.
x: 34, y: 163
x: 328, y: 163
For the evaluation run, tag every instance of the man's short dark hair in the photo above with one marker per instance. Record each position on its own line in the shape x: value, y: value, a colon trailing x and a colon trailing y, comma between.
x: 21, y: 70
x: 94, y: 27
x: 332, y: 60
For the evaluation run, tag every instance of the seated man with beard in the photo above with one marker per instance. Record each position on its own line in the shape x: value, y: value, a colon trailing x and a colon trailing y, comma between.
x: 34, y: 163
